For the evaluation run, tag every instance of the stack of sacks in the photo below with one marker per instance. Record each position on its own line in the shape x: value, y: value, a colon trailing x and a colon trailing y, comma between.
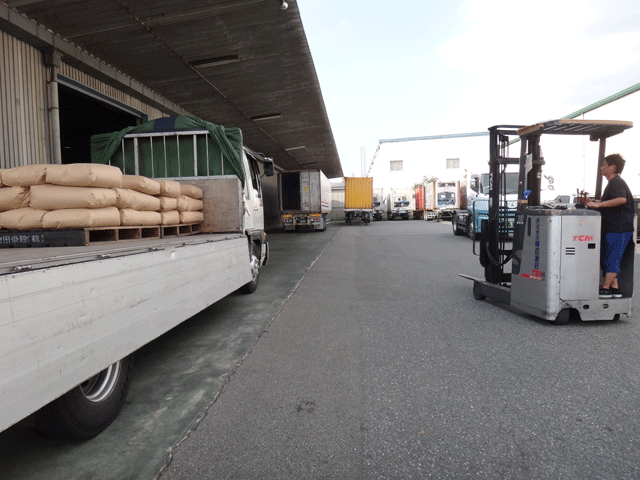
x: 67, y: 196
x: 137, y: 201
x: 190, y: 204
x: 91, y: 195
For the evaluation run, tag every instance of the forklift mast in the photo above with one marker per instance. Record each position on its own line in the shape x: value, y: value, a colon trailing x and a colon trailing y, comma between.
x: 494, y: 254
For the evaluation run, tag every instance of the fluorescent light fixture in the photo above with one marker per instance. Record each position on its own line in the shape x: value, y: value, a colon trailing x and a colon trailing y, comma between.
x: 215, y: 61
x: 268, y: 116
x: 291, y: 149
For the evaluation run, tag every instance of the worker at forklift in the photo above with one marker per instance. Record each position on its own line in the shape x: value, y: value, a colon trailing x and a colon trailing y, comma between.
x: 617, y: 211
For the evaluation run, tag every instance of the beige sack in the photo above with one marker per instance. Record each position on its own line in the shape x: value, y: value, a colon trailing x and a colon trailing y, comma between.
x: 13, y: 197
x: 168, y: 203
x: 169, y: 188
x: 131, y: 199
x: 22, y: 219
x: 56, y: 197
x: 130, y: 217
x: 170, y: 218
x: 191, y: 191
x: 188, y: 204
x: 191, y: 217
x: 82, y: 218
x: 25, y: 176
x: 85, y: 175
x: 141, y: 184
x: 1, y: 170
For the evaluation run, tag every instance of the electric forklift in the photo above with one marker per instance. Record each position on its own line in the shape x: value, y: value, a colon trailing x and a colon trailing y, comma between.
x: 554, y: 254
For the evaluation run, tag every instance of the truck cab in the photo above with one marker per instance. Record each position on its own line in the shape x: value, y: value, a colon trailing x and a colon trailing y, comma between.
x: 469, y: 221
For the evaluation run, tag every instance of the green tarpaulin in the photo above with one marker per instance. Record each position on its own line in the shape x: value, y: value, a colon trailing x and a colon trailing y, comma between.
x: 223, y: 152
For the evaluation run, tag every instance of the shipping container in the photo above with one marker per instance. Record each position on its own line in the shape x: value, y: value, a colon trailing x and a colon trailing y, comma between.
x: 358, y: 198
x: 305, y: 199
x: 418, y: 202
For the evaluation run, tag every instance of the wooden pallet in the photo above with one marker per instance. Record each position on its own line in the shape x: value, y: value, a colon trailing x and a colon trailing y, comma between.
x: 179, y: 230
x: 90, y: 236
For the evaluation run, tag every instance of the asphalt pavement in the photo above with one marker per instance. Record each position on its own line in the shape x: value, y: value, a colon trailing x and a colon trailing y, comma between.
x: 364, y: 355
x: 383, y: 366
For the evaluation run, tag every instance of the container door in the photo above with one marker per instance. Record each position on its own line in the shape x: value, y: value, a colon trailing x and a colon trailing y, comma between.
x: 315, y: 192
x: 305, y: 192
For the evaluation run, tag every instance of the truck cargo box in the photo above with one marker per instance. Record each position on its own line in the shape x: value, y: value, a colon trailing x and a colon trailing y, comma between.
x: 358, y: 193
x: 305, y: 199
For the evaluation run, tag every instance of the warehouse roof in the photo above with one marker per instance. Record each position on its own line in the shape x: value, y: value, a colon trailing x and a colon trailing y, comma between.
x: 241, y: 63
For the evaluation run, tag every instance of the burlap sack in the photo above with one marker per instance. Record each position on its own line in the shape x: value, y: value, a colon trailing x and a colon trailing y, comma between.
x: 130, y: 217
x: 1, y: 170
x: 170, y: 218
x: 13, y: 197
x: 82, y: 218
x: 168, y: 203
x: 191, y: 217
x: 85, y: 175
x: 188, y: 204
x: 141, y: 184
x: 56, y: 197
x: 191, y: 191
x: 131, y: 199
x: 22, y: 219
x: 169, y: 188
x: 25, y: 176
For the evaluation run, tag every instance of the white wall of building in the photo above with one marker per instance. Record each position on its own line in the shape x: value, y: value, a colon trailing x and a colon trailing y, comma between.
x: 427, y: 158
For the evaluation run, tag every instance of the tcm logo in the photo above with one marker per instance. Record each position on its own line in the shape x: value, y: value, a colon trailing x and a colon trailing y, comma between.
x: 583, y: 238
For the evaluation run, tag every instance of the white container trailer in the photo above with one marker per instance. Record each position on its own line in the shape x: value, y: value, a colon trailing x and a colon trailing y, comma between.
x: 399, y: 203
x: 305, y: 199
x: 72, y: 317
x: 379, y: 203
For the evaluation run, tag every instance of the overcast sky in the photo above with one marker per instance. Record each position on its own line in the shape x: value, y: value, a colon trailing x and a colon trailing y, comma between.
x: 428, y: 67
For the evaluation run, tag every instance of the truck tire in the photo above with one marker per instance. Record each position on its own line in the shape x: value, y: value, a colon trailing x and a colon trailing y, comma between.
x: 456, y: 227
x: 254, y: 263
x: 472, y: 232
x: 90, y: 407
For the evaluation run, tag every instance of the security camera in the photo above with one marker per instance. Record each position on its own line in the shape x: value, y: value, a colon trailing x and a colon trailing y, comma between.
x: 283, y: 5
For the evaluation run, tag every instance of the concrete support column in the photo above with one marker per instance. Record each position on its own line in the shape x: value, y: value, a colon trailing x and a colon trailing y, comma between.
x: 52, y: 60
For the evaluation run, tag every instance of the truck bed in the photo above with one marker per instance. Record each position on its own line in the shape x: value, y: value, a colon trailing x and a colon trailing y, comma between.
x: 13, y: 260
x: 67, y: 313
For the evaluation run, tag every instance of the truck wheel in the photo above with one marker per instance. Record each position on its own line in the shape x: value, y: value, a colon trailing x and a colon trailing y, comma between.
x: 90, y: 407
x: 456, y: 228
x: 472, y: 232
x: 254, y: 263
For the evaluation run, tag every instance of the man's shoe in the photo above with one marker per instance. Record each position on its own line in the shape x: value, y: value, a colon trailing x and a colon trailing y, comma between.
x: 605, y: 293
x: 616, y: 292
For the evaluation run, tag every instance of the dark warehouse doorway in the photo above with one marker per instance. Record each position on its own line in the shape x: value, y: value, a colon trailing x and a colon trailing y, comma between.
x: 81, y: 116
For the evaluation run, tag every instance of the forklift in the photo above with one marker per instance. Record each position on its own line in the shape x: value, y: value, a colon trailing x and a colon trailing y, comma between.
x: 554, y: 253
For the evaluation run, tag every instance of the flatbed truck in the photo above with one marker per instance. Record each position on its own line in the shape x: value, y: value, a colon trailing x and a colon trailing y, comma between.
x: 72, y: 317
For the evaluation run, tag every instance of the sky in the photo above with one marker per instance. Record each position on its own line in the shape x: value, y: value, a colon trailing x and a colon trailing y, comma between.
x: 432, y: 67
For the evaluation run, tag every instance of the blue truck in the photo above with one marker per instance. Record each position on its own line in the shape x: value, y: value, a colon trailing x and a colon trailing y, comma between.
x: 468, y: 220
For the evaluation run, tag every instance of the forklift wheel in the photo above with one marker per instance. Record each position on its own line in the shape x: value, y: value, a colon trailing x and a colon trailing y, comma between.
x: 477, y: 293
x: 563, y: 317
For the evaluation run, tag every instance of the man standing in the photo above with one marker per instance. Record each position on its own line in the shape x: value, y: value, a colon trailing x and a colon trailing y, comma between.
x: 616, y: 208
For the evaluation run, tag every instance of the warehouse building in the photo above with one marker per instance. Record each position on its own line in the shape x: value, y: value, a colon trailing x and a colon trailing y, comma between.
x: 68, y: 72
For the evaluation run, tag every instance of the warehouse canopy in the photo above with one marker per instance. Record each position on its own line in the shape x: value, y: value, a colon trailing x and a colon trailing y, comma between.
x: 237, y: 63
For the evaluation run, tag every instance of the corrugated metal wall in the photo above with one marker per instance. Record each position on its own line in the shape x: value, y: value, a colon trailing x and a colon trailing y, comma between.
x: 24, y: 117
x: 23, y: 104
x: 98, y: 86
